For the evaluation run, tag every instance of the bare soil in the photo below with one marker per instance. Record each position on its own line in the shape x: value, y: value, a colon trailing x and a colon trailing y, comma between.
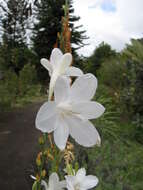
x: 18, y: 147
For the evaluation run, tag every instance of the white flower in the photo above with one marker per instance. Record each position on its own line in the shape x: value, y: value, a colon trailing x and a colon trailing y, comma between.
x: 80, y: 181
x: 58, y: 65
x: 70, y: 111
x: 54, y: 183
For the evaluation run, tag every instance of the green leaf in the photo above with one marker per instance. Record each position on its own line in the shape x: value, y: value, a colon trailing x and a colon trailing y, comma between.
x: 35, y: 185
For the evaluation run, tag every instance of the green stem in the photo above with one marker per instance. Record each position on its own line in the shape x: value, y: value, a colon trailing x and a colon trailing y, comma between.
x: 66, y: 8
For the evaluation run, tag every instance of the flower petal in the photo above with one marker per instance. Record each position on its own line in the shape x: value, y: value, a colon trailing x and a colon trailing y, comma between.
x: 47, y: 110
x: 53, y: 180
x: 61, y: 89
x: 44, y: 184
x: 65, y: 62
x: 88, y: 110
x: 71, y: 182
x: 62, y: 184
x: 52, y: 84
x: 80, y: 174
x: 47, y: 65
x: 32, y: 177
x: 56, y: 57
x: 61, y: 134
x: 83, y: 132
x: 73, y: 71
x: 83, y: 88
x: 47, y: 125
x: 46, y: 119
x: 89, y: 182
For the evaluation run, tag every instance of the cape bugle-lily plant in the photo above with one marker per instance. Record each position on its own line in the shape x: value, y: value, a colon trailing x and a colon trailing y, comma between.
x: 67, y: 112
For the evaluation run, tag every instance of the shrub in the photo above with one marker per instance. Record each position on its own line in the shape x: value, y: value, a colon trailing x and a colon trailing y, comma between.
x: 8, y: 90
x: 101, y: 53
x: 112, y: 74
x: 27, y: 79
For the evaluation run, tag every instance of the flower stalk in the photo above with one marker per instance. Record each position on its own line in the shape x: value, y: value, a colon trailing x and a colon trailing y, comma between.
x: 65, y: 36
x: 67, y: 112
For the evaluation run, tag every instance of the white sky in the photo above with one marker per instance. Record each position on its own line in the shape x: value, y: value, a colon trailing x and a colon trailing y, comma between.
x: 111, y: 21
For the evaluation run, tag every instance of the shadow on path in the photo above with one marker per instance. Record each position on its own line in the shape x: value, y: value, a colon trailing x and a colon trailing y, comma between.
x: 18, y: 147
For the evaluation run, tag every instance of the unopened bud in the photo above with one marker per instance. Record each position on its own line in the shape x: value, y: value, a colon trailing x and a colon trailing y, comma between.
x: 50, y: 156
x: 38, y: 162
x: 43, y: 173
x: 45, y: 153
x: 41, y: 140
x: 38, y: 159
x: 37, y: 177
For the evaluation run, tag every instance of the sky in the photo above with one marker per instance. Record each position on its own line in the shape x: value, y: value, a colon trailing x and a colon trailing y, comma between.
x: 112, y: 21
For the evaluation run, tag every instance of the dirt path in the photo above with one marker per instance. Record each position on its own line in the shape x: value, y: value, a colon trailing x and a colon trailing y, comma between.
x: 18, y: 146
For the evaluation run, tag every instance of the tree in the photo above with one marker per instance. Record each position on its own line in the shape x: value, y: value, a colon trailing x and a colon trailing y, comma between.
x: 14, y: 51
x: 133, y: 92
x: 14, y: 22
x: 48, y: 15
x: 100, y: 54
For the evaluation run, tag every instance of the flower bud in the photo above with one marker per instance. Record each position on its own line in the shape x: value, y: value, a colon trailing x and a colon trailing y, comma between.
x: 37, y: 177
x: 38, y: 162
x: 43, y: 173
x: 41, y: 140
x: 38, y: 159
